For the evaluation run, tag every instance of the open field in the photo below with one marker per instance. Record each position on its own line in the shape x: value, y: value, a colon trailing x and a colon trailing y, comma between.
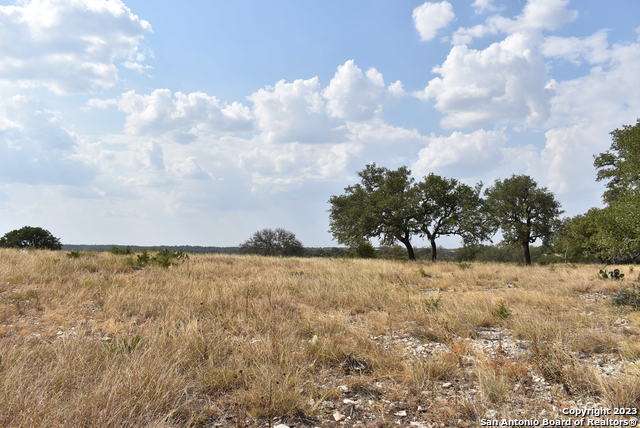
x: 250, y: 341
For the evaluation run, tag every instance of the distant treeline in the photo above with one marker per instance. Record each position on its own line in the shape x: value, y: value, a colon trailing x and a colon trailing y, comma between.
x: 192, y: 249
x: 480, y: 253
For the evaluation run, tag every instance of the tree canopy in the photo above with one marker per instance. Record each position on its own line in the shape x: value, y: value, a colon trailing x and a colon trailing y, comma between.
x: 523, y: 211
x: 30, y: 237
x: 448, y: 207
x: 382, y: 205
x: 270, y: 242
x: 390, y: 206
x: 620, y: 165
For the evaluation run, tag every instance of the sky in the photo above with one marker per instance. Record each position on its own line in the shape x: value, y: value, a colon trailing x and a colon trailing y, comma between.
x: 200, y: 122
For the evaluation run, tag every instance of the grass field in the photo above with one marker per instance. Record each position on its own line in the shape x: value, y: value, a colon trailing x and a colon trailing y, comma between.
x: 252, y: 341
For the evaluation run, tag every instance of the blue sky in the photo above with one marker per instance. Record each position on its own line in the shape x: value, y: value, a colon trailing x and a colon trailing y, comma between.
x: 199, y: 122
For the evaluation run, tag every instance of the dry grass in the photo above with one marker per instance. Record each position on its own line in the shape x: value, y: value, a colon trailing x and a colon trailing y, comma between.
x: 239, y: 340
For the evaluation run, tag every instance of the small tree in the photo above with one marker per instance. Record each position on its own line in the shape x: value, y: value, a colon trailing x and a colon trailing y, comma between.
x: 523, y: 211
x: 30, y: 237
x: 448, y: 207
x: 269, y: 242
x: 382, y: 205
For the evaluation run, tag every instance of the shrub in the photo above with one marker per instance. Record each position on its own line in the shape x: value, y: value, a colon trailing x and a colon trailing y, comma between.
x: 464, y: 265
x: 74, y: 254
x: 627, y: 297
x: 501, y: 311
x: 120, y: 251
x: 364, y: 250
x: 164, y: 258
x: 30, y: 237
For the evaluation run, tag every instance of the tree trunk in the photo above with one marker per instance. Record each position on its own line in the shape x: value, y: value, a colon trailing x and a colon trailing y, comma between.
x: 433, y: 250
x: 527, y: 253
x: 410, y: 253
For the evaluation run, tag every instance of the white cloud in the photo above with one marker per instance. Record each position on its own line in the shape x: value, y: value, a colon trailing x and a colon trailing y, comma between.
x: 180, y: 116
x: 68, y: 46
x: 35, y: 148
x: 296, y: 112
x: 594, y: 49
x: 429, y: 18
x: 472, y: 152
x: 286, y: 164
x: 502, y: 84
x: 583, y: 113
x: 353, y: 95
x: 484, y: 6
x: 537, y: 16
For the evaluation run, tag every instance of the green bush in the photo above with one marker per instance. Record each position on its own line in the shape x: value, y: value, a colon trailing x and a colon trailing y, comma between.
x: 164, y: 258
x: 120, y: 251
x: 74, y: 254
x: 627, y: 297
x: 501, y: 311
x: 464, y: 265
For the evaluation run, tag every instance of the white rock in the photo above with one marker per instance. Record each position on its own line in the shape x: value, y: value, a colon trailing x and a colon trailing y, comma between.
x: 281, y: 426
x: 343, y: 388
x: 337, y: 416
x: 350, y: 401
x: 401, y: 413
x: 491, y: 414
x: 447, y: 385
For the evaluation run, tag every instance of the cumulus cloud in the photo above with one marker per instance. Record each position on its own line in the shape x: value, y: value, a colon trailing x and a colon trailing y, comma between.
x: 504, y: 83
x: 68, y: 46
x: 594, y: 49
x: 36, y: 149
x: 354, y: 95
x: 304, y: 112
x: 471, y: 152
x: 537, y: 16
x: 286, y: 164
x: 429, y: 18
x: 585, y: 110
x: 179, y: 115
x: 484, y: 6
x: 296, y: 112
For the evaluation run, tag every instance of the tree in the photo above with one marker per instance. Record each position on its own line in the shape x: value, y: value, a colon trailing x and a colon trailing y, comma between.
x: 620, y: 165
x: 448, y: 207
x: 381, y: 206
x: 576, y: 238
x: 30, y: 237
x: 523, y: 211
x: 269, y: 242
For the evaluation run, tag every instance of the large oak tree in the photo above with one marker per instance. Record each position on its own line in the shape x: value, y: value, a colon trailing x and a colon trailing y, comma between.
x: 523, y: 211
x: 382, y: 205
x: 449, y: 207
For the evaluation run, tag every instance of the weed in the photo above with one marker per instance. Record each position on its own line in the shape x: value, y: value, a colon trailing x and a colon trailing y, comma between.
x: 432, y: 303
x: 622, y: 392
x: 422, y: 371
x: 74, y: 254
x: 464, y: 265
x: 124, y: 344
x: 425, y: 274
x: 501, y: 311
x: 494, y: 383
